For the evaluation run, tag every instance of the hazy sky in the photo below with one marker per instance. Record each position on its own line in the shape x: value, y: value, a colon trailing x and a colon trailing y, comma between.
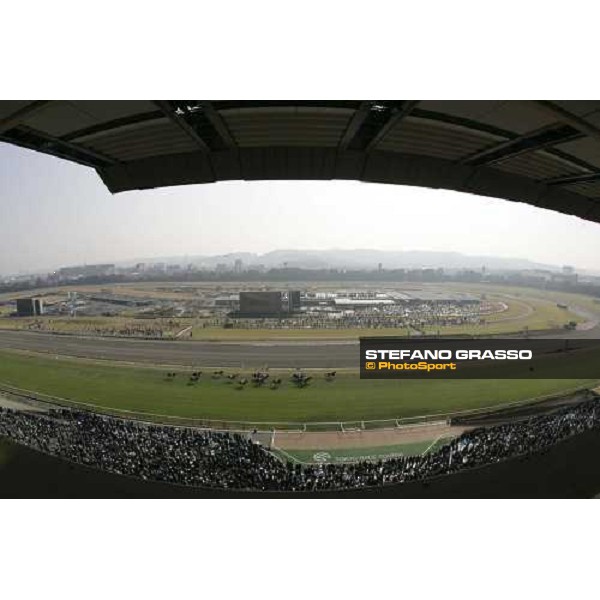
x: 54, y: 213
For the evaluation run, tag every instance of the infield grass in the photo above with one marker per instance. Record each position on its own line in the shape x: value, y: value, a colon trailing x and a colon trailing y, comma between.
x: 350, y: 455
x: 528, y: 308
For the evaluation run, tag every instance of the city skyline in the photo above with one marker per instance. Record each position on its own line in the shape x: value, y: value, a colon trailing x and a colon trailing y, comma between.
x: 246, y: 260
x: 56, y: 213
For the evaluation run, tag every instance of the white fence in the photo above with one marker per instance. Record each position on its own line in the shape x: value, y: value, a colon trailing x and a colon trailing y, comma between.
x: 343, y: 426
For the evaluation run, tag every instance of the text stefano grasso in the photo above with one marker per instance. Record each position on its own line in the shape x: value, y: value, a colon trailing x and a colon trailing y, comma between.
x: 445, y: 354
x: 479, y: 358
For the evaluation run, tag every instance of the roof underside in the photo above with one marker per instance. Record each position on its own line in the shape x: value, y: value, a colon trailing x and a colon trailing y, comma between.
x: 545, y: 153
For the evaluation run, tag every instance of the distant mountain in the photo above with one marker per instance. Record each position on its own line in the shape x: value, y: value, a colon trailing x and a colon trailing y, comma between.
x: 360, y: 259
x: 411, y: 259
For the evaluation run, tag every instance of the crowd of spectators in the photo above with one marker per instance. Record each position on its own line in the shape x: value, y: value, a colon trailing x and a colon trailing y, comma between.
x: 82, y: 326
x: 384, y: 317
x: 206, y: 458
x: 396, y: 316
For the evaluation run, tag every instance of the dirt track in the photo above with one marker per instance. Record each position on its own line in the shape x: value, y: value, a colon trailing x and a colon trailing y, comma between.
x: 305, y: 354
x: 205, y: 354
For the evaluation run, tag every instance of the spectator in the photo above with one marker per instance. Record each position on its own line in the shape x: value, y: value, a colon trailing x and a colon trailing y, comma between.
x: 206, y: 458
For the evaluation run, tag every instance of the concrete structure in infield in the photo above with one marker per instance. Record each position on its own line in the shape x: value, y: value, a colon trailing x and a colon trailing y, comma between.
x: 30, y: 307
x: 545, y: 153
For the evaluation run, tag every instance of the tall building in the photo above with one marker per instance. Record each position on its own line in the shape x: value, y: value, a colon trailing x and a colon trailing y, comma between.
x: 293, y: 300
x: 238, y: 266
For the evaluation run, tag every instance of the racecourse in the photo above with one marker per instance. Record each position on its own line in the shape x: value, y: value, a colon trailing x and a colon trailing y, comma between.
x: 121, y: 374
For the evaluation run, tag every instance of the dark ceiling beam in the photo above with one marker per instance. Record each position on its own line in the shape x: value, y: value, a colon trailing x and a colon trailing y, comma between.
x: 566, y: 180
x: 23, y: 113
x: 114, y: 125
x: 462, y: 122
x: 487, y: 128
x: 229, y: 104
x: 361, y: 113
x: 568, y: 117
x: 218, y: 123
x: 170, y: 113
x: 398, y: 113
x: 45, y: 142
x: 546, y: 137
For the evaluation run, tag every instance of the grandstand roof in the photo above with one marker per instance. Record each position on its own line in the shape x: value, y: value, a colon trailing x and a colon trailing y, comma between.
x: 545, y: 153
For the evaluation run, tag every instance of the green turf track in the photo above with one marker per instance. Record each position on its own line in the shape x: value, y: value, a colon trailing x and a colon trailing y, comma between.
x: 344, y: 455
x: 346, y: 399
